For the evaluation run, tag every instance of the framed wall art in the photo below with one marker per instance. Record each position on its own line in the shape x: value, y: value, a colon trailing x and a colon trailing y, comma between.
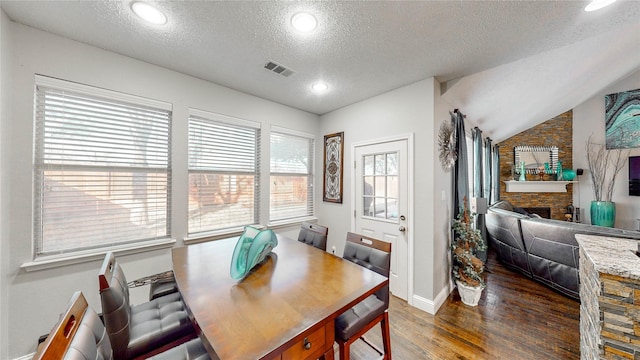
x: 332, y: 181
x: 622, y: 117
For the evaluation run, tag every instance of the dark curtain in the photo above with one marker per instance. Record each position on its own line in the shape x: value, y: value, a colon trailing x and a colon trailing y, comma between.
x: 478, y: 184
x: 460, y: 178
x: 488, y: 169
x: 495, y: 179
x: 476, y: 135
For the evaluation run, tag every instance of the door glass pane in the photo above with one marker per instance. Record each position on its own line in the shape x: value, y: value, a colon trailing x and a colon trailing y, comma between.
x: 380, y: 206
x: 392, y: 209
x: 392, y: 164
x: 368, y: 165
x: 380, y: 188
x: 380, y: 164
x: 367, y: 208
x: 392, y: 186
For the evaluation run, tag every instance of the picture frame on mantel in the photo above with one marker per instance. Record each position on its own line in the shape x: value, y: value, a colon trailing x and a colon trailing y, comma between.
x: 333, y: 163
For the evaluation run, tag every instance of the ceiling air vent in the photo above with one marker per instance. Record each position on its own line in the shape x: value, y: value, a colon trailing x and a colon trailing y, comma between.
x: 278, y: 69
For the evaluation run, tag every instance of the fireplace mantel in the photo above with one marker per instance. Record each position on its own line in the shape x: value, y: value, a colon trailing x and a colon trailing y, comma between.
x: 537, y: 186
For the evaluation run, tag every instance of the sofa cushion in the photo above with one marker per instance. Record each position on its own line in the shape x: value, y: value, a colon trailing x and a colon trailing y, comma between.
x: 504, y: 205
x: 505, y: 236
x: 553, y: 251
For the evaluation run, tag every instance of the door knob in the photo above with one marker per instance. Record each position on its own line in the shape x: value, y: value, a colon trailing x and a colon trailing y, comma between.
x: 402, y: 229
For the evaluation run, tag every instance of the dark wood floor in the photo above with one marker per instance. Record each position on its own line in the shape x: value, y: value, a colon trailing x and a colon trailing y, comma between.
x: 517, y: 318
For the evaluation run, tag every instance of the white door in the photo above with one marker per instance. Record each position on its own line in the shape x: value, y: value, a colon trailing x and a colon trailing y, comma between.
x: 381, y: 194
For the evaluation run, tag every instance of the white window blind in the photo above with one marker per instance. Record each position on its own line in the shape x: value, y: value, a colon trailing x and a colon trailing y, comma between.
x: 102, y: 175
x: 224, y: 172
x: 291, y: 176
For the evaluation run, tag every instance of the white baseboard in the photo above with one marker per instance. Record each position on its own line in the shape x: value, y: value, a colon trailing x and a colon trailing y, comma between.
x: 25, y: 357
x: 432, y: 306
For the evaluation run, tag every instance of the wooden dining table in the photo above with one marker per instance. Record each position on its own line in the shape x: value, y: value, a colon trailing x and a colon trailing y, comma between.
x: 284, y: 308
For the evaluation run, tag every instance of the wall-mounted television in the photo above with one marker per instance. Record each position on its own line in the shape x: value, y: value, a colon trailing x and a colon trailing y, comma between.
x: 634, y: 175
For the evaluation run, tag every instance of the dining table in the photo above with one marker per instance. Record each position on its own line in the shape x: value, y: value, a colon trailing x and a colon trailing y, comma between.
x: 285, y: 308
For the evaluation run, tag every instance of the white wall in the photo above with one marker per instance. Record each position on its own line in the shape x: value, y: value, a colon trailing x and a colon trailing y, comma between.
x: 409, y: 109
x: 35, y: 299
x: 588, y: 119
x: 443, y: 192
x: 5, y: 106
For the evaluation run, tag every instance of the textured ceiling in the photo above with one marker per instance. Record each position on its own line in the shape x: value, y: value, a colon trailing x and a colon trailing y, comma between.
x: 361, y: 49
x: 511, y: 98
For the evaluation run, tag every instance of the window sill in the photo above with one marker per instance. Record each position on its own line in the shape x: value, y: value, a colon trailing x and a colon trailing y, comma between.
x: 216, y: 235
x: 228, y: 233
x: 53, y: 261
x: 291, y: 222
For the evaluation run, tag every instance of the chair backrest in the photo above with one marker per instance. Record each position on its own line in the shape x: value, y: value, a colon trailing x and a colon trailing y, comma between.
x: 313, y: 234
x: 78, y: 335
x: 372, y: 254
x: 116, y: 310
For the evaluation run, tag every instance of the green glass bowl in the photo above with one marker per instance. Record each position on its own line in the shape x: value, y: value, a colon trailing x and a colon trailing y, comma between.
x: 252, y: 248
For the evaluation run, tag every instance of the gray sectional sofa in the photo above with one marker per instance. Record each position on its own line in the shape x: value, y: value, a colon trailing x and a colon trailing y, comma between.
x: 543, y: 249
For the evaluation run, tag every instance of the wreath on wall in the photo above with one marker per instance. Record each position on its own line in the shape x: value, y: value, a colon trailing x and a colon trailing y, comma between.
x: 447, y: 145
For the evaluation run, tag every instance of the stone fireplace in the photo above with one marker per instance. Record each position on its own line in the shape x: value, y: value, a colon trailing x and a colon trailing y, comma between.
x: 555, y: 132
x: 544, y: 212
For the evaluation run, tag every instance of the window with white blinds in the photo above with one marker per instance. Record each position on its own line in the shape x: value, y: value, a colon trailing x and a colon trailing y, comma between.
x: 224, y: 172
x: 291, y: 175
x: 102, y: 172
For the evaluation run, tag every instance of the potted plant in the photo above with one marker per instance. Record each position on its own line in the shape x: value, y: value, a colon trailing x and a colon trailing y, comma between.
x: 467, y: 267
x: 600, y: 161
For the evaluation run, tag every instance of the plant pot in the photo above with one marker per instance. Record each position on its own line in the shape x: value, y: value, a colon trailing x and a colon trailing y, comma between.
x: 603, y: 213
x: 469, y: 295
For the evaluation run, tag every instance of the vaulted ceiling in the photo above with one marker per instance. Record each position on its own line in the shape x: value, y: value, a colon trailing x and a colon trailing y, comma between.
x: 491, y: 54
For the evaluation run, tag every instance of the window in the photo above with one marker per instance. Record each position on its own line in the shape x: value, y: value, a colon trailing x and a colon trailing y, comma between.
x: 224, y: 172
x: 291, y: 175
x: 102, y: 175
x: 381, y: 189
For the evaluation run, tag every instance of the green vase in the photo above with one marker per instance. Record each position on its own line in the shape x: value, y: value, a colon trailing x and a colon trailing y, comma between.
x: 568, y: 174
x: 603, y: 213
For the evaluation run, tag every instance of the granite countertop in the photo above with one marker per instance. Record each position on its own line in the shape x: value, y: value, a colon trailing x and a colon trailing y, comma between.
x: 613, y: 256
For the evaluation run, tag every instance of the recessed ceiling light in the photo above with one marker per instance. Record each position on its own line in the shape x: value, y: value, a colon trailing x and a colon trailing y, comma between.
x: 319, y: 87
x: 598, y: 4
x: 148, y: 13
x: 304, y: 22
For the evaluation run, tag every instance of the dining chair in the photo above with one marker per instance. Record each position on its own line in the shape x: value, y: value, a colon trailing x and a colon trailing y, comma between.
x: 162, y: 287
x: 313, y: 234
x: 80, y: 335
x: 144, y: 329
x: 351, y: 325
x: 160, y: 284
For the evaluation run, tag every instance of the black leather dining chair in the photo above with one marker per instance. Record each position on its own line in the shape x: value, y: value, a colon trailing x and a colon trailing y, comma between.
x: 80, y: 335
x: 144, y: 329
x: 160, y: 284
x: 351, y: 325
x: 313, y: 234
